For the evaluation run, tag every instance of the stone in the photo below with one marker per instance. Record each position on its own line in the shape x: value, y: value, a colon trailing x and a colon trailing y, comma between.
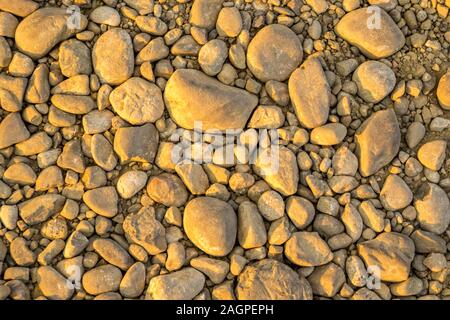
x: 204, y: 13
x: 21, y: 8
x: 143, y: 229
x: 138, y: 144
x: 102, y: 152
x: 329, y: 134
x: 257, y: 282
x: 75, y: 244
x: 12, y: 130
x: 395, y: 194
x: 8, y: 24
x: 73, y: 104
x: 410, y: 287
x: 211, y: 224
x: 271, y: 205
x: 97, y: 121
x: 113, y: 253
x: 215, y: 269
x: 130, y: 183
x: 38, y: 90
x: 274, y: 53
x: 102, y: 279
x: 74, y: 58
x: 40, y: 208
x: 210, y: 103
x: 301, y: 211
x: 352, y: 221
x: 372, y: 30
x: 137, y: 101
x: 229, y: 22
x: 19, y: 173
x: 113, y: 57
x: 310, y: 94
x: 307, y: 249
x: 432, y: 154
x: 53, y: 285
x: 278, y: 166
x: 377, y: 141
x: 154, y: 51
x: 443, y: 90
x: 9, y: 215
x: 167, y: 189
x: 133, y: 282
x: 251, y: 230
x: 416, y: 132
x: 180, y: 285
x: 5, y: 53
x: 143, y: 7
x: 392, y: 252
x: 193, y: 176
x: 374, y: 80
x: 55, y: 25
x: 344, y: 162
x: 267, y: 117
x: 327, y: 280
x: 71, y: 157
x: 102, y: 200
x: 21, y: 253
x: 105, y: 15
x: 212, y: 56
x: 433, y: 208
x: 151, y: 25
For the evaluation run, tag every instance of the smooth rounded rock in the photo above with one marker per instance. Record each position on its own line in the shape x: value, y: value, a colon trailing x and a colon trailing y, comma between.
x: 274, y: 53
x: 211, y: 224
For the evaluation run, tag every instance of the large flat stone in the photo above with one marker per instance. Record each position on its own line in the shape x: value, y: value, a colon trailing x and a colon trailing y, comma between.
x: 192, y: 96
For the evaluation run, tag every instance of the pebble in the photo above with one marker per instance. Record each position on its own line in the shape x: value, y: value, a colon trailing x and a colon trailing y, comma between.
x: 105, y: 15
x: 102, y: 279
x: 167, y: 189
x: 212, y: 56
x: 433, y: 208
x: 361, y: 30
x: 180, y: 285
x: 285, y: 179
x: 211, y: 224
x: 395, y: 194
x: 443, y: 90
x: 251, y: 231
x: 274, y: 53
x: 53, y: 285
x: 130, y: 183
x: 137, y: 101
x: 256, y: 282
x: 378, y: 141
x: 210, y: 102
x: 229, y: 22
x: 143, y: 229
x: 432, y: 154
x: 392, y: 252
x: 375, y: 81
x: 311, y: 99
x: 307, y: 249
x: 53, y: 28
x: 113, y: 57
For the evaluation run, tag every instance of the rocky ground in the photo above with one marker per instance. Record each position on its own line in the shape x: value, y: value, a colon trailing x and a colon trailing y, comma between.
x: 332, y: 184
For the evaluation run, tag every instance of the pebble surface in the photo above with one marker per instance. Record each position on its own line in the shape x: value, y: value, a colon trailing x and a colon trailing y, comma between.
x: 224, y: 149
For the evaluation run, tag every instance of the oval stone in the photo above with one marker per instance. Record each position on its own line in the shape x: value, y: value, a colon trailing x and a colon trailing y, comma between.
x: 211, y: 224
x: 274, y: 53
